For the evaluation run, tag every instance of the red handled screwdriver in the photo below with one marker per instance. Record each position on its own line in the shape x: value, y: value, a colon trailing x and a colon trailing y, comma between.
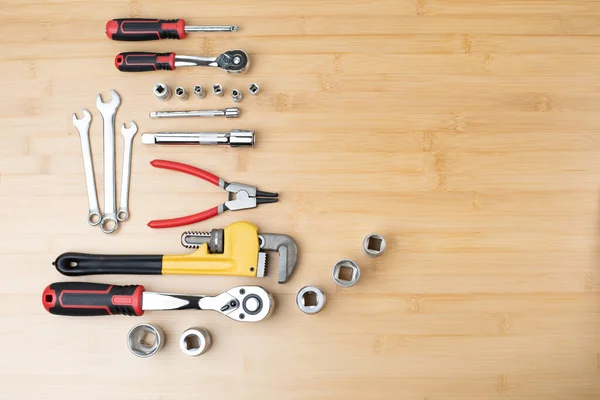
x: 140, y: 29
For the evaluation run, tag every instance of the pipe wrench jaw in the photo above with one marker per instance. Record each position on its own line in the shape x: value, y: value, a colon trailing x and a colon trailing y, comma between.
x: 242, y: 303
x: 288, y: 253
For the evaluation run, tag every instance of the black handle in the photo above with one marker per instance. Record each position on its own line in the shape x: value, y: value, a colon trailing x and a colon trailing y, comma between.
x: 136, y: 61
x: 81, y: 299
x: 78, y: 264
x: 139, y: 29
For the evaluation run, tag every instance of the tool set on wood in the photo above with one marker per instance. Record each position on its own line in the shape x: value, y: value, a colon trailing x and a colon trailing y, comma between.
x: 236, y: 250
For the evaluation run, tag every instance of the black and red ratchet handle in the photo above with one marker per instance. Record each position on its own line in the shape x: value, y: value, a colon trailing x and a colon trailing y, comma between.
x: 80, y: 299
x: 141, y: 29
x: 235, y: 61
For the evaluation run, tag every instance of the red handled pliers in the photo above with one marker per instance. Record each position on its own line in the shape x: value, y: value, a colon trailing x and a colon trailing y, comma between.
x: 240, y: 196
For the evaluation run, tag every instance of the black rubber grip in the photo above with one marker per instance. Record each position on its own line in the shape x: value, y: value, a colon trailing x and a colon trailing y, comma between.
x: 80, y: 299
x: 79, y: 264
x: 140, y: 29
x: 135, y: 61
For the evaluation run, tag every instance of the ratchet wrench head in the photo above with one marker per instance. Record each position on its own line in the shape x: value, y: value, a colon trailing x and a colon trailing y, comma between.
x: 248, y: 304
x: 82, y: 124
x: 111, y: 106
x: 234, y: 61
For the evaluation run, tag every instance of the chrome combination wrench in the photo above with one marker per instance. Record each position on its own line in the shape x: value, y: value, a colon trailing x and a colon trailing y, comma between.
x: 128, y: 134
x: 109, y: 222
x: 83, y: 127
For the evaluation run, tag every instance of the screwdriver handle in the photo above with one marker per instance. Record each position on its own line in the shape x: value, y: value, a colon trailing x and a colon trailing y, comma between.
x: 140, y: 29
x: 80, y: 299
x: 135, y: 61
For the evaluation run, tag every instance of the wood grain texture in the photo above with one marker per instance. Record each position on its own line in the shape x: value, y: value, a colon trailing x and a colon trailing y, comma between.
x: 467, y: 132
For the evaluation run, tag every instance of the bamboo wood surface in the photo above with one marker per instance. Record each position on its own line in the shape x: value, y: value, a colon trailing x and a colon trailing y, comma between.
x: 466, y: 132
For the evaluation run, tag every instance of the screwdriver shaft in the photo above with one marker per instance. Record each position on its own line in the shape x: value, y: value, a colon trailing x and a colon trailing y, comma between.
x: 211, y: 28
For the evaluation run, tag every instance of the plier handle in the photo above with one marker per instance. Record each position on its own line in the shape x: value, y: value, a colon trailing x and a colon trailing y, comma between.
x: 240, y: 196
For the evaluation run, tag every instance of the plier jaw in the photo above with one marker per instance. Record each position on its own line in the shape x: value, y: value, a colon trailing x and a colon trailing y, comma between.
x: 243, y: 196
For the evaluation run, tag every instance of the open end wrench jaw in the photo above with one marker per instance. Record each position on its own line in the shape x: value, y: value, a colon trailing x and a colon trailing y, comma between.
x: 82, y: 124
x: 111, y: 106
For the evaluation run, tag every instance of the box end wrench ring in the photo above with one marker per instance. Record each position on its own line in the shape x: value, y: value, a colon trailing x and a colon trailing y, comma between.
x: 128, y: 134
x: 83, y: 127
x: 108, y: 110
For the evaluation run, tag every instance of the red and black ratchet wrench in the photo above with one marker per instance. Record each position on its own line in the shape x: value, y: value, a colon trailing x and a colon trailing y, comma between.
x: 140, y: 29
x: 240, y: 196
x: 80, y: 299
x: 234, y: 61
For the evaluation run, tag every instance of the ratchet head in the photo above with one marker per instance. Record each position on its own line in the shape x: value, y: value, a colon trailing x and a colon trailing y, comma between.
x: 130, y: 132
x: 248, y: 304
x: 82, y: 123
x: 111, y: 105
x: 288, y: 253
x: 234, y: 61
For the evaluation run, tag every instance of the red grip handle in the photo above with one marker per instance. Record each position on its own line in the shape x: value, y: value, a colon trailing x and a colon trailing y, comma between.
x: 142, y: 61
x: 140, y: 29
x: 181, y: 221
x: 187, y: 169
x: 88, y: 299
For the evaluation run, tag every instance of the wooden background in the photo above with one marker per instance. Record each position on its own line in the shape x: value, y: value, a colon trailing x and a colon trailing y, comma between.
x: 467, y: 132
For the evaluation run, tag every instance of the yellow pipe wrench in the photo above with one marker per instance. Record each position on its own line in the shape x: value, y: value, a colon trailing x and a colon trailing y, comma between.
x: 237, y: 250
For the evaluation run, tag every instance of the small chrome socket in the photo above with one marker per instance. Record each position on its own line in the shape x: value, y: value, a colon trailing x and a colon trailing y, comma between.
x: 181, y: 93
x: 373, y: 245
x: 236, y: 96
x: 218, y: 90
x: 253, y: 89
x: 195, y: 341
x: 162, y: 91
x: 145, y: 340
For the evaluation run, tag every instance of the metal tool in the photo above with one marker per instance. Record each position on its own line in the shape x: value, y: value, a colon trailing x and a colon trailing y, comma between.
x: 236, y: 96
x: 233, y: 138
x: 232, y: 112
x: 83, y: 127
x: 310, y: 299
x: 240, y: 196
x: 237, y: 250
x: 109, y: 222
x: 145, y: 340
x: 199, y: 92
x: 345, y: 273
x: 162, y: 92
x: 79, y: 299
x: 181, y: 93
x: 196, y: 341
x: 217, y: 90
x: 373, y: 245
x: 235, y: 61
x: 253, y: 88
x: 128, y: 134
x: 140, y: 29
